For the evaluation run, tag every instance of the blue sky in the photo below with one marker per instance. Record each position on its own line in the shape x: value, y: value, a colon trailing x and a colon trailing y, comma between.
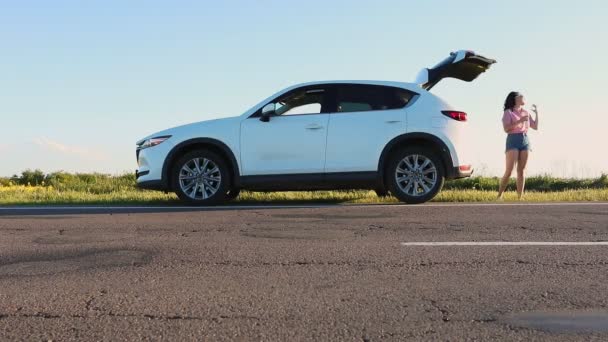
x: 83, y: 80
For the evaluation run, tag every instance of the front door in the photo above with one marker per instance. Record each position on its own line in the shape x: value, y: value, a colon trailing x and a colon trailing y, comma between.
x: 293, y: 140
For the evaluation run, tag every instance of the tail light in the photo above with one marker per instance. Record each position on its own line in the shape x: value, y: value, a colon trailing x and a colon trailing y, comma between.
x: 458, y: 116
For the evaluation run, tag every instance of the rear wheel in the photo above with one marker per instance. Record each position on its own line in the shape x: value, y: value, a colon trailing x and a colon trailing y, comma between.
x: 415, y: 175
x: 200, y: 178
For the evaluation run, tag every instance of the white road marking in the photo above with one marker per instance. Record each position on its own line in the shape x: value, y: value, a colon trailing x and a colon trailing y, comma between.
x: 518, y: 204
x: 286, y: 206
x: 505, y: 243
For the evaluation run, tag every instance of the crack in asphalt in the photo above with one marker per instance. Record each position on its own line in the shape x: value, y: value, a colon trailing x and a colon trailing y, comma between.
x: 45, y: 315
x: 333, y: 263
x: 445, y: 314
x: 89, y: 302
x: 400, y: 265
x: 103, y: 313
x: 34, y: 315
x: 485, y: 320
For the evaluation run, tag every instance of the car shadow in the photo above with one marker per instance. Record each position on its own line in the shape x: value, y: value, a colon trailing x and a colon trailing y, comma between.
x: 27, y: 210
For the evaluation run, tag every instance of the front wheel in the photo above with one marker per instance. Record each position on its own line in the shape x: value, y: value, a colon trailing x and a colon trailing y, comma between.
x: 201, y: 178
x: 415, y: 175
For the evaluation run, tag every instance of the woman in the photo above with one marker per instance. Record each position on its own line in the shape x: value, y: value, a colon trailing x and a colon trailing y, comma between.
x: 516, y: 122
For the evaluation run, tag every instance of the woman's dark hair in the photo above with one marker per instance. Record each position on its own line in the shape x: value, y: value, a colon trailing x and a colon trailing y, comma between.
x: 510, y: 101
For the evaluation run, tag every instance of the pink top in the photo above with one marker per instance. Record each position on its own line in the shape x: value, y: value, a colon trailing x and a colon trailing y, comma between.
x: 511, y: 116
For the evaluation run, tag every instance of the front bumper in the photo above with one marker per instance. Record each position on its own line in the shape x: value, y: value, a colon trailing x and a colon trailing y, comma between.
x: 152, y: 185
x: 141, y: 174
x: 150, y: 164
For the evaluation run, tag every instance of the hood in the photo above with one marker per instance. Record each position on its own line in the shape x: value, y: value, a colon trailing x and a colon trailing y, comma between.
x: 183, y: 129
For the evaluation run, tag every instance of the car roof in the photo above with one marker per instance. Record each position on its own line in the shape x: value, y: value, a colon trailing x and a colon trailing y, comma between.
x: 404, y: 85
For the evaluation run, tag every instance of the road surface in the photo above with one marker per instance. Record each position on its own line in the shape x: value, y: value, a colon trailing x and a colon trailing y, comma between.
x: 318, y: 273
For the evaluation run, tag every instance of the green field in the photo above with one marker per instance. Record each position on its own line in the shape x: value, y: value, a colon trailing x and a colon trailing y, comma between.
x: 36, y: 187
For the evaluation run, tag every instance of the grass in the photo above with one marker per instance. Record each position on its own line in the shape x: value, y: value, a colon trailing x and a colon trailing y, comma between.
x: 536, y: 183
x: 37, y: 188
x: 365, y: 197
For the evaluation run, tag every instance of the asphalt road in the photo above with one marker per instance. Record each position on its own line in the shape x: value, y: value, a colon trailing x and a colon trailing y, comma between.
x: 326, y: 273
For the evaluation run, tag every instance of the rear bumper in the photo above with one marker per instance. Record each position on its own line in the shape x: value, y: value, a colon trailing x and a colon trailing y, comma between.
x: 458, y: 172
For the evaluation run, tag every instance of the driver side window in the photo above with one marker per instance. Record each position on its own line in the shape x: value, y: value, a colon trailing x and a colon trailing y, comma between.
x: 309, y: 101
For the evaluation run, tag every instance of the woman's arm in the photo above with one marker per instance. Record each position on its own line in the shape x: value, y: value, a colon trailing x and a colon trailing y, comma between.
x: 534, y: 122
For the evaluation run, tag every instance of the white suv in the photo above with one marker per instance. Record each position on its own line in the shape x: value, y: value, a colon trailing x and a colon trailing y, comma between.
x: 386, y: 136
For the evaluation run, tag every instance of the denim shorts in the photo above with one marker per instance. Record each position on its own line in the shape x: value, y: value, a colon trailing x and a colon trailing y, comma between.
x: 518, y: 141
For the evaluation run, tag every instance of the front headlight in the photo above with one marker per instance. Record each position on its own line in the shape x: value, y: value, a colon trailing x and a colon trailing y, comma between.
x: 152, y: 142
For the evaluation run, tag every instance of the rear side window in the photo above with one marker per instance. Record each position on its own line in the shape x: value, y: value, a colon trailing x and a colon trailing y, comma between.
x: 360, y: 98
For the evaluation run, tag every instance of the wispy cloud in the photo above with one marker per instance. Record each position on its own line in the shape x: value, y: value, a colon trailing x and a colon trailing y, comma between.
x: 82, y: 152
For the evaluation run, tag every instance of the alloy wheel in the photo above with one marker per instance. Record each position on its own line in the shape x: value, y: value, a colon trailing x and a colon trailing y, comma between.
x: 416, y: 175
x: 200, y: 178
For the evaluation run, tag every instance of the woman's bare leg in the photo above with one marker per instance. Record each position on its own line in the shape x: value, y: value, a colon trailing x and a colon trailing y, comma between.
x: 511, y: 159
x: 521, y: 168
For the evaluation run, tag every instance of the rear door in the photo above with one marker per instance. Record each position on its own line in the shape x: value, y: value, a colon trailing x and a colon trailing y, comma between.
x: 366, y: 118
x: 463, y: 65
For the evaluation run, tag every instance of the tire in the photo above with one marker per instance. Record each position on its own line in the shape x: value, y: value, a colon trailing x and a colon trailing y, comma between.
x: 233, y: 194
x: 415, y: 175
x: 204, y: 182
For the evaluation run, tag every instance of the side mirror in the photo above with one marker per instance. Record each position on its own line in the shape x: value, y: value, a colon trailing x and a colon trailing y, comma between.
x: 268, y: 111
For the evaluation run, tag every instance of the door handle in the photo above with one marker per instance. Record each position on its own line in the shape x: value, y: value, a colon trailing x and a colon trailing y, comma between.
x: 314, y: 127
x: 392, y: 121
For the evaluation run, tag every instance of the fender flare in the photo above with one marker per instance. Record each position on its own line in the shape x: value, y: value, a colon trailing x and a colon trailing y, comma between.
x: 433, y: 140
x: 177, y: 149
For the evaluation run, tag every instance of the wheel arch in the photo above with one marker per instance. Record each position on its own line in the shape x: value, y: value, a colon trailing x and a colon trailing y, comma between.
x: 200, y: 143
x: 415, y: 139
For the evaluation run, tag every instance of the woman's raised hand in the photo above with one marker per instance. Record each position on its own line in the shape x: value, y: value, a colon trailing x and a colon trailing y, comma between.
x: 534, y: 109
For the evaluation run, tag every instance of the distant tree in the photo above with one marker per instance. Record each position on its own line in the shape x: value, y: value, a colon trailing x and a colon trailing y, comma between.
x: 35, y: 177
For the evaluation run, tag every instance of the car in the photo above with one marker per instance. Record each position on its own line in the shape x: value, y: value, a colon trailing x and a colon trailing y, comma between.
x: 392, y: 137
